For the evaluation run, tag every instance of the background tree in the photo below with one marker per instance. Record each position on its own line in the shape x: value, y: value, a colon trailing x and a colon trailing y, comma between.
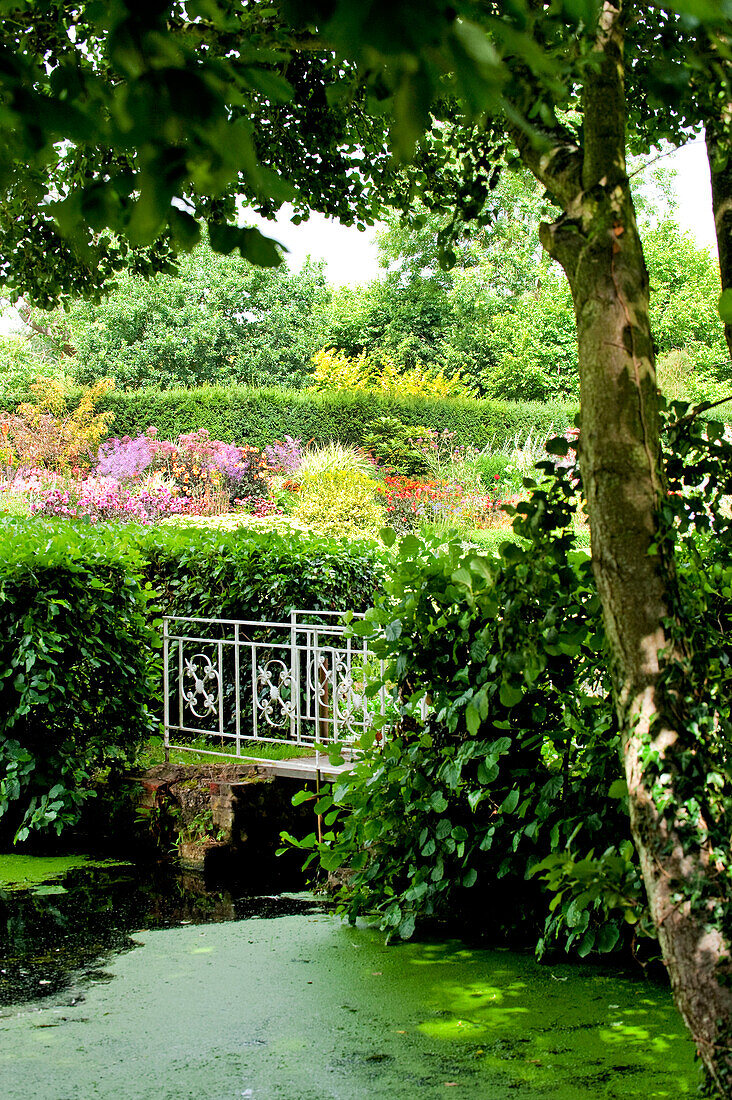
x: 503, y: 314
x: 219, y: 320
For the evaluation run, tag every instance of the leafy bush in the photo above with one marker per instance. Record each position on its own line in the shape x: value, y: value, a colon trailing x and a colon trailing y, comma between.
x: 503, y: 769
x: 688, y: 374
x: 257, y: 416
x: 50, y: 431
x: 258, y: 574
x: 21, y: 365
x: 392, y: 444
x: 216, y: 318
x: 76, y: 671
x: 505, y: 746
x: 492, y: 464
x: 333, y: 458
x: 339, y: 502
x: 334, y: 370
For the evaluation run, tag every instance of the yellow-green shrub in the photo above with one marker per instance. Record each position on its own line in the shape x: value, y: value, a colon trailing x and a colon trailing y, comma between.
x: 335, y: 458
x: 46, y: 432
x: 339, y: 502
x: 334, y: 370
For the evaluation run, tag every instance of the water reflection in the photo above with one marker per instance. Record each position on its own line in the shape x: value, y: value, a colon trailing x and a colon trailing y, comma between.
x: 67, y: 928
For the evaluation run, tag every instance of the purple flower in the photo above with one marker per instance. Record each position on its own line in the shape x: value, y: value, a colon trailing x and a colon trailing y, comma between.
x: 284, y: 458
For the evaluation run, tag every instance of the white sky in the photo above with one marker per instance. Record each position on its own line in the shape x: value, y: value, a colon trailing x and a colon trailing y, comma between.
x: 350, y: 256
x: 694, y: 191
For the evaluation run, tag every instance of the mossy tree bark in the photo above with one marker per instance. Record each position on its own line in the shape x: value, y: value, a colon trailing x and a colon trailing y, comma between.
x: 597, y: 243
x: 719, y: 144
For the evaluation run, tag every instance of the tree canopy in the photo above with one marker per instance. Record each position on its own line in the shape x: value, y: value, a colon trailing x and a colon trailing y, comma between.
x: 218, y: 320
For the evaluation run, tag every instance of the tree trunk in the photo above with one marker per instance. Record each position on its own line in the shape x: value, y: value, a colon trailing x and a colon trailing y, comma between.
x: 598, y: 245
x: 719, y: 152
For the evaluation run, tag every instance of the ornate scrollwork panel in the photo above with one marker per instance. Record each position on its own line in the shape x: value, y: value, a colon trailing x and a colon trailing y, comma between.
x: 275, y: 699
x: 202, y: 697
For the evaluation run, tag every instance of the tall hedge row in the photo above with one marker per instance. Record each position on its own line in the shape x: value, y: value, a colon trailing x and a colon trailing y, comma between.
x: 241, y: 414
x: 258, y: 416
x: 76, y: 670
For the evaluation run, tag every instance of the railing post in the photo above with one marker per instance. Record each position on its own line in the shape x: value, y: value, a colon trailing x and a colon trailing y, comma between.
x: 294, y: 679
x: 237, y: 690
x: 220, y: 667
x: 166, y: 694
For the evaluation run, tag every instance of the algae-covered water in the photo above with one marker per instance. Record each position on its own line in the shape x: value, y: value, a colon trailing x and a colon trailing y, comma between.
x: 161, y: 987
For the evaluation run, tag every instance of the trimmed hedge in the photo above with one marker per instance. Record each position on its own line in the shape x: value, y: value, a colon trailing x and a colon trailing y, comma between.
x: 76, y: 675
x: 259, y: 416
x: 258, y: 574
x: 241, y: 414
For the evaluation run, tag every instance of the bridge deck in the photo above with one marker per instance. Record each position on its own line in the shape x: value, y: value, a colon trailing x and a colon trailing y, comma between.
x: 305, y: 767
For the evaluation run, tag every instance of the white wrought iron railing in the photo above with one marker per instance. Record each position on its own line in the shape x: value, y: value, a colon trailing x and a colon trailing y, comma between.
x: 232, y: 683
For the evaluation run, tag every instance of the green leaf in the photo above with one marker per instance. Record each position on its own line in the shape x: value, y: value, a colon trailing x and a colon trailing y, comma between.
x: 510, y: 802
x: 725, y: 306
x: 406, y: 927
x: 618, y: 789
x: 607, y: 937
x: 302, y: 796
x: 438, y: 802
x: 253, y: 245
x: 472, y: 717
x: 557, y: 446
x: 586, y: 944
x: 510, y: 694
x: 270, y: 84
x: 185, y: 229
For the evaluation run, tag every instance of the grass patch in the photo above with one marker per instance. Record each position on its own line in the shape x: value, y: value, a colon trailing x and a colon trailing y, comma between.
x: 489, y: 539
x: 154, y: 753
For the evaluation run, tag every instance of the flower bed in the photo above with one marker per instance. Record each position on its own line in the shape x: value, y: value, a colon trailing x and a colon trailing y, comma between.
x: 336, y: 490
x: 410, y: 501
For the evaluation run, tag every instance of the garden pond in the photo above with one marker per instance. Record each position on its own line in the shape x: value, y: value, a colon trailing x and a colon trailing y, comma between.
x: 134, y: 983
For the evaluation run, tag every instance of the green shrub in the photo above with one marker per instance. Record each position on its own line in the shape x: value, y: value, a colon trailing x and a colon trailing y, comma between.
x: 490, y: 465
x: 511, y: 776
x: 76, y: 670
x: 251, y: 575
x: 339, y: 502
x: 512, y: 759
x: 259, y: 416
x: 390, y: 442
x: 334, y: 458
